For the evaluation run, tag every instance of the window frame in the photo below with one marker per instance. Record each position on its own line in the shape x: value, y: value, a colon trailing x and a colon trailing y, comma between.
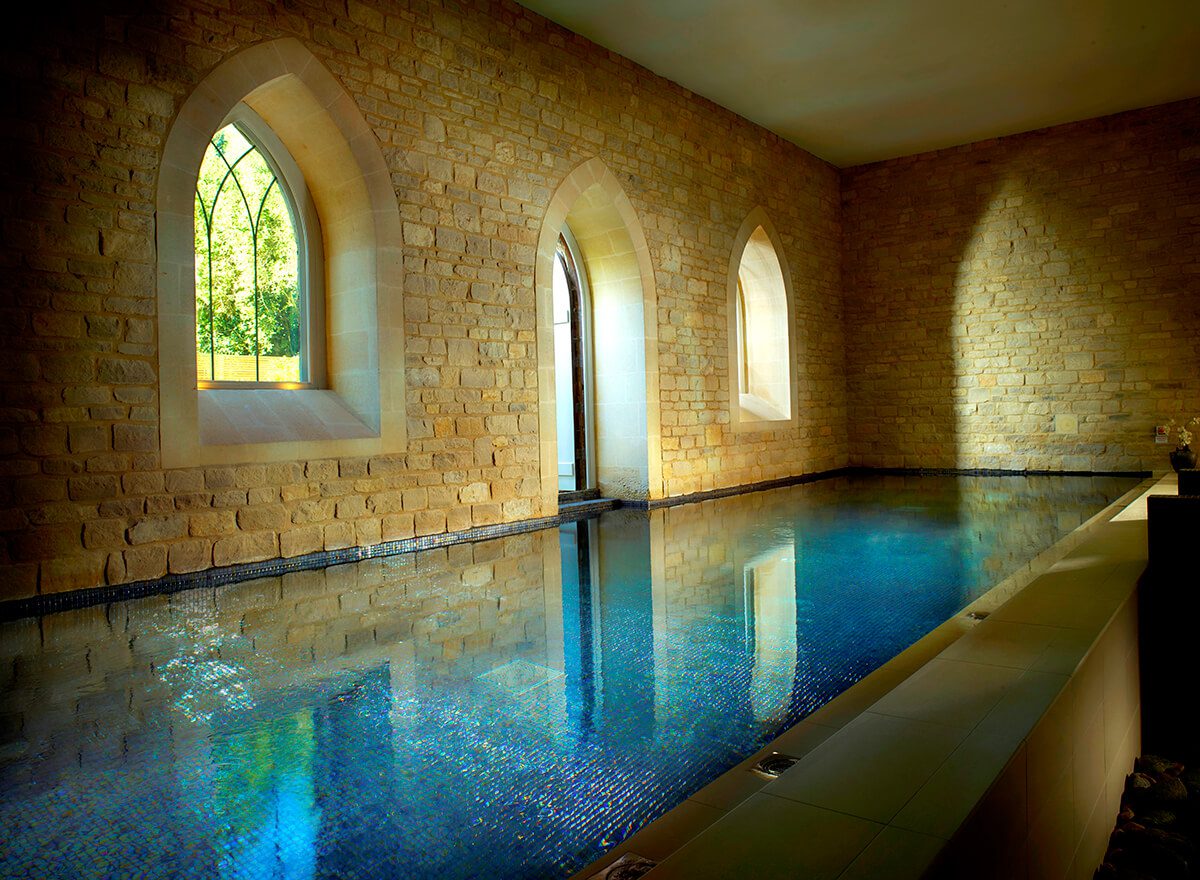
x: 310, y: 256
x: 748, y: 412
x: 743, y: 356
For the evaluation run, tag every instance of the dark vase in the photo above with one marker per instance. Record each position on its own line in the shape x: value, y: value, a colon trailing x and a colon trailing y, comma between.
x: 1183, y: 459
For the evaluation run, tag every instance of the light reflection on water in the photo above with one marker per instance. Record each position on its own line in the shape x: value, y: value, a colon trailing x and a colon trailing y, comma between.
x: 510, y: 708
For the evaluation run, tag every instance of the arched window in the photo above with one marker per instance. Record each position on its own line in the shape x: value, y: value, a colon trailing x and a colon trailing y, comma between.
x: 310, y: 313
x: 259, y: 302
x: 761, y: 336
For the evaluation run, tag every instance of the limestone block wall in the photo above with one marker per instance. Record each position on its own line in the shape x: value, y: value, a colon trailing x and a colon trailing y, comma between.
x: 480, y: 110
x: 1027, y: 302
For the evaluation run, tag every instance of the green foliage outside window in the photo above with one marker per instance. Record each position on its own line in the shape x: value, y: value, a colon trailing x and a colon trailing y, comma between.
x: 247, y: 285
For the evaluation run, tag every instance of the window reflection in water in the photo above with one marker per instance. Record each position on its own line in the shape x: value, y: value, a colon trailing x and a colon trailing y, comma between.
x: 769, y: 598
x: 508, y: 708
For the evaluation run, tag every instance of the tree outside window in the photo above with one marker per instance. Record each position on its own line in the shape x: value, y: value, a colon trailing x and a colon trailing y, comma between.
x: 248, y: 297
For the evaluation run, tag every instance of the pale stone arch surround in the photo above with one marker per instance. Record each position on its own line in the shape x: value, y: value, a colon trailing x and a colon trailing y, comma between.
x: 362, y: 411
x: 773, y: 269
x: 616, y: 258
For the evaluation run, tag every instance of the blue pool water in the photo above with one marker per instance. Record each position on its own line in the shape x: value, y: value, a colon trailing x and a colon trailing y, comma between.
x: 506, y: 709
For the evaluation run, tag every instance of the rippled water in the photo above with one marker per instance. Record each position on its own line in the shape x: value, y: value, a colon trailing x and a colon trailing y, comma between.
x: 505, y: 709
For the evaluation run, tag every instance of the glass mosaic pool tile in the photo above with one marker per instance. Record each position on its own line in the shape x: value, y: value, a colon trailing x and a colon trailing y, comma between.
x: 506, y: 709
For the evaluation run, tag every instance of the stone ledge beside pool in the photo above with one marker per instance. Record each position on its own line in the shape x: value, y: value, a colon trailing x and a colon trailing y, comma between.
x: 991, y: 748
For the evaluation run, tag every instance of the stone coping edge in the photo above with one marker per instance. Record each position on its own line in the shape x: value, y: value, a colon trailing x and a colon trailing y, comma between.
x: 927, y: 647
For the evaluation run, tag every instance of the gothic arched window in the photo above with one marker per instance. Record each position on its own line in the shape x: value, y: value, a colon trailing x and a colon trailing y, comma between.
x: 257, y: 294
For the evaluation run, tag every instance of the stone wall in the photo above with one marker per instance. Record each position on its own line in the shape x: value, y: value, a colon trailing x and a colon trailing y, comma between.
x: 1027, y: 302
x: 1024, y: 302
x: 480, y: 109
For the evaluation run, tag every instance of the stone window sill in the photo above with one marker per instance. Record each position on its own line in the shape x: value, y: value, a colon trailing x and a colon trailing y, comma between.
x: 234, y: 417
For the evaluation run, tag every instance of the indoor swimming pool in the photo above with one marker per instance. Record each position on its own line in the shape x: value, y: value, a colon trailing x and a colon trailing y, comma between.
x: 511, y: 708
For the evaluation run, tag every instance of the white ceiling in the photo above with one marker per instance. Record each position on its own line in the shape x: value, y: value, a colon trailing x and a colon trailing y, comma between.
x: 856, y: 81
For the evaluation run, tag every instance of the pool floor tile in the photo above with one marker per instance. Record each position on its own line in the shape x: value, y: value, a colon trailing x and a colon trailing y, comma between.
x: 945, y: 801
x: 933, y: 643
x: 734, y: 786
x: 663, y: 836
x: 949, y: 692
x: 1003, y: 643
x: 801, y: 739
x: 871, y: 767
x: 896, y: 854
x: 844, y: 708
x: 770, y: 838
x: 1026, y: 701
x: 1065, y: 652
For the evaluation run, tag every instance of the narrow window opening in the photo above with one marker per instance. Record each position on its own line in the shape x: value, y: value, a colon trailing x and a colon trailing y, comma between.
x: 572, y: 376
x: 743, y: 369
x: 761, y: 348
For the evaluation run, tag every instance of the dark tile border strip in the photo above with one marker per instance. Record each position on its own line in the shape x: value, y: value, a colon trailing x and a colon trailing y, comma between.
x: 797, y: 480
x: 577, y: 495
x: 995, y: 472
x: 869, y: 471
x: 14, y: 609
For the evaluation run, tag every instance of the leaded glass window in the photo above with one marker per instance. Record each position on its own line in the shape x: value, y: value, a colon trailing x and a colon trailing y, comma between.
x: 249, y: 302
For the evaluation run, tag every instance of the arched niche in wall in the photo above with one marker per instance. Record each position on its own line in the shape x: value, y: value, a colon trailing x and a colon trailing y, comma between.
x: 359, y: 406
x: 616, y: 259
x: 762, y: 330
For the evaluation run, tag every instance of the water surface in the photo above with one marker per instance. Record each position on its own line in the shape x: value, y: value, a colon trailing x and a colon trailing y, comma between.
x: 505, y: 709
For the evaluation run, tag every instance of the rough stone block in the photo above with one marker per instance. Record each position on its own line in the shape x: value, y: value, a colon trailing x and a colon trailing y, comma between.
x: 339, y: 535
x: 88, y: 438
x: 350, y: 508
x: 386, y: 502
x: 39, y: 489
x: 190, y: 555
x: 429, y: 522
x: 212, y: 523
x: 104, y: 534
x: 98, y: 487
x: 297, y: 542
x: 397, y: 526
x: 135, y: 438
x: 244, y: 547
x: 458, y: 519
x: 159, y: 528
x: 486, y: 514
x: 178, y: 482
x: 367, y: 531
x: 126, y: 371
x: 317, y: 510
x: 76, y: 572
x: 274, y: 517
x: 44, y: 439
x: 416, y: 499
x: 145, y: 563
x: 475, y: 493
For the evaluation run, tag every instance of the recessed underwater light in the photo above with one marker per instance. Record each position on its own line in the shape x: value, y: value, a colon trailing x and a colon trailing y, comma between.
x: 773, y: 765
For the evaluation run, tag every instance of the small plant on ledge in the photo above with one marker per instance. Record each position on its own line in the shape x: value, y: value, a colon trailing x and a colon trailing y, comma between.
x: 1182, y: 457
